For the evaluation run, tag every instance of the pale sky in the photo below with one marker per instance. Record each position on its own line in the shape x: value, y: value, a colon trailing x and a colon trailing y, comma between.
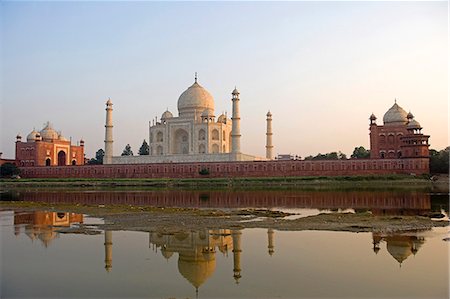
x: 321, y: 68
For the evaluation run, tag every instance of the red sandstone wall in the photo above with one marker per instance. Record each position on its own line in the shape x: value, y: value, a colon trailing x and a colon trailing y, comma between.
x: 235, y: 169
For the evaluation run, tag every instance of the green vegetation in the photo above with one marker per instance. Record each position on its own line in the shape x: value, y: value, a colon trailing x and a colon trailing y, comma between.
x: 328, y: 156
x: 375, y: 182
x: 98, y: 158
x: 360, y: 153
x: 204, y: 171
x: 8, y: 170
x: 127, y: 151
x: 144, y: 150
x: 439, y: 160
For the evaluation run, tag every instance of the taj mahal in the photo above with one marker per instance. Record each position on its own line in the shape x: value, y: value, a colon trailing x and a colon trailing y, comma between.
x: 195, y: 135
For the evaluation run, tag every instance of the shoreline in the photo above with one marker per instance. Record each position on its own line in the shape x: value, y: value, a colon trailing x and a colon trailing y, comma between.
x: 148, y: 218
x: 436, y: 183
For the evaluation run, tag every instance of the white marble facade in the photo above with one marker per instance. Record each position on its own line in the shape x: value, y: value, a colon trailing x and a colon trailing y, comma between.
x: 195, y: 135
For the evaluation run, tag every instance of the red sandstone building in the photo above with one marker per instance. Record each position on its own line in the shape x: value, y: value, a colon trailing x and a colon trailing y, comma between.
x: 399, y: 137
x: 48, y: 148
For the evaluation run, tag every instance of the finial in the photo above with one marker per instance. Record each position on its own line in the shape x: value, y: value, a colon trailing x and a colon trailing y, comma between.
x: 395, y: 100
x: 195, y: 77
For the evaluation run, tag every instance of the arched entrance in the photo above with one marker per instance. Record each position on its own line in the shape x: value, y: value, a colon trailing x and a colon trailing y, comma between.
x: 61, y: 158
x: 47, y: 162
x: 180, y: 142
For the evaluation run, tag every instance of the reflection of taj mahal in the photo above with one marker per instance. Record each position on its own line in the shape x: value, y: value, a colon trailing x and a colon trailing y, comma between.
x: 194, y: 135
x: 400, y: 247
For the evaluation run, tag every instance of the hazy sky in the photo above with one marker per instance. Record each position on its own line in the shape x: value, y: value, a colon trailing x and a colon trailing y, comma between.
x: 320, y: 67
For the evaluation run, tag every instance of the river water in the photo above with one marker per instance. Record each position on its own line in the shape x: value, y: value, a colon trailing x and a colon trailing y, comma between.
x: 37, y: 261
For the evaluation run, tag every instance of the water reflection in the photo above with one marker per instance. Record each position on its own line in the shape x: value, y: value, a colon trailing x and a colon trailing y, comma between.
x: 43, y: 225
x: 197, y: 251
x: 380, y: 203
x: 400, y: 247
x: 231, y: 262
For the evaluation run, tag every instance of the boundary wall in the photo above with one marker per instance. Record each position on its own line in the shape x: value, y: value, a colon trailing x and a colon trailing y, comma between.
x: 292, y: 168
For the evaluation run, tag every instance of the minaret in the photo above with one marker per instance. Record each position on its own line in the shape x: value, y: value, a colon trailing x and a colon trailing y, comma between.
x: 236, y: 235
x: 108, y: 134
x: 236, y: 124
x: 269, y: 146
x: 108, y: 250
x: 270, y: 246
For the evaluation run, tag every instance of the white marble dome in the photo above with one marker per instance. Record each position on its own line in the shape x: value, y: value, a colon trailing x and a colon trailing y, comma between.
x: 396, y: 115
x: 208, y: 113
x: 48, y: 133
x: 414, y: 124
x: 195, y: 98
x: 222, y: 119
x: 32, y: 136
x: 166, y: 115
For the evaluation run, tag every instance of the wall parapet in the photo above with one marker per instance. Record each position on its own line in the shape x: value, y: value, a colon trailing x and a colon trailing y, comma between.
x: 416, y: 166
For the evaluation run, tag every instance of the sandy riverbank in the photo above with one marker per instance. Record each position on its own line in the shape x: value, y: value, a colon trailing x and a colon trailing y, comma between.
x: 136, y: 218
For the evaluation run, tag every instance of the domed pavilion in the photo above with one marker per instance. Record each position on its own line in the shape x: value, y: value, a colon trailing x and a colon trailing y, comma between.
x: 400, y: 136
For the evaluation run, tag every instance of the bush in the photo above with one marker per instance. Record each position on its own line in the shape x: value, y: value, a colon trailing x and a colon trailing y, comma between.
x: 204, y: 171
x: 8, y: 170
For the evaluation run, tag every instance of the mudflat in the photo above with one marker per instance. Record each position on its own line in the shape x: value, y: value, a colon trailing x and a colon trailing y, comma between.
x: 146, y: 218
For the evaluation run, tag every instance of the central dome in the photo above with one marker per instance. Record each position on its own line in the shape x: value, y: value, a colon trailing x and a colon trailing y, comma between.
x: 195, y: 100
x: 396, y: 115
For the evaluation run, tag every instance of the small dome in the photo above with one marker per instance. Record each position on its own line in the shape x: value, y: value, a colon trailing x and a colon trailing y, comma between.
x: 413, y: 124
x: 410, y: 115
x: 48, y: 133
x: 222, y: 119
x: 32, y: 136
x: 195, y: 98
x: 372, y: 117
x: 109, y: 102
x: 61, y: 137
x: 167, y: 254
x: 208, y: 113
x: 235, y: 91
x: 396, y: 115
x: 166, y: 115
x: 269, y: 114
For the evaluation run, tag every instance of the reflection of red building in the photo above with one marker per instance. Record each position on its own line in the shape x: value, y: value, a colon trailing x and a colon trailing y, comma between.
x: 42, y: 225
x: 400, y: 136
x: 48, y: 148
x: 380, y: 203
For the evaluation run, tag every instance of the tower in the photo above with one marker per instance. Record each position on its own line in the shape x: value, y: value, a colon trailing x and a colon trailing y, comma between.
x: 235, y: 124
x: 108, y: 250
x: 108, y: 134
x: 236, y: 235
x: 269, y: 146
x: 414, y: 143
x: 270, y: 246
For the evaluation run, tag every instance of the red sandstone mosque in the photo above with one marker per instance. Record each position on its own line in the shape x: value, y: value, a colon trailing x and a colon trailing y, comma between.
x: 48, y: 148
x: 399, y: 137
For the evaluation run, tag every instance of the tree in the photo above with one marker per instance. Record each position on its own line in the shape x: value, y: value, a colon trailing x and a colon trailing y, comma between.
x: 9, y: 169
x: 144, y: 149
x: 360, y: 153
x: 439, y: 160
x: 127, y: 151
x: 99, y: 155
x: 98, y: 158
x: 328, y: 156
